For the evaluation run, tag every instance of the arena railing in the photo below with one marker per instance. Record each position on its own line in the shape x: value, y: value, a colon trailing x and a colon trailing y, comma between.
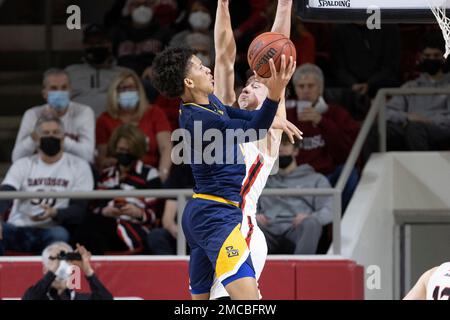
x: 377, y: 109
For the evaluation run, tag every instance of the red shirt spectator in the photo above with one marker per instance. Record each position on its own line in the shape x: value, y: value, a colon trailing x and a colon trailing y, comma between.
x: 127, y: 104
x: 152, y: 122
x: 327, y: 144
x: 328, y: 130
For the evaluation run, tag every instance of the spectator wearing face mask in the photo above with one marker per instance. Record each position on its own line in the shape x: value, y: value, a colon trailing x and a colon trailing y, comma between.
x: 35, y: 223
x: 422, y: 122
x: 127, y: 104
x: 122, y: 224
x: 199, y: 20
x: 138, y: 36
x: 293, y: 224
x: 78, y: 119
x: 57, y: 268
x: 328, y: 130
x: 90, y: 80
x: 166, y: 12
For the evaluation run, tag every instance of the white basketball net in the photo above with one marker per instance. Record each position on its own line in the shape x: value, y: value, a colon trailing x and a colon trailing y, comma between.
x: 438, y: 7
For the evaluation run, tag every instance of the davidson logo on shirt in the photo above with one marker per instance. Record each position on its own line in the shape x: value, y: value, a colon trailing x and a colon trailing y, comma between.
x: 47, y: 182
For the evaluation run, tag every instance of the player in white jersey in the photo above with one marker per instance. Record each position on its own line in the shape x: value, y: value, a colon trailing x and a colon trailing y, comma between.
x: 434, y: 284
x: 260, y: 156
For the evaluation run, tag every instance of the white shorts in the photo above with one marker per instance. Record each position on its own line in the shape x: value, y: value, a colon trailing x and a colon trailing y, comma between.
x: 258, y: 253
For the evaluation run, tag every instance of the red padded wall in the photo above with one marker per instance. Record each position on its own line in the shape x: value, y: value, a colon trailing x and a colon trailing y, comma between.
x: 332, y: 280
x: 166, y: 279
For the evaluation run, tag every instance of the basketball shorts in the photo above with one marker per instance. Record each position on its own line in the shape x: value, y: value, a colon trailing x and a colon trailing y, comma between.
x: 212, y: 226
x: 258, y: 251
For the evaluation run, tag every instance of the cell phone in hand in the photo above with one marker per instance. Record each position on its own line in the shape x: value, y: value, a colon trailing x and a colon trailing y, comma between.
x: 302, y: 105
x: 37, y: 214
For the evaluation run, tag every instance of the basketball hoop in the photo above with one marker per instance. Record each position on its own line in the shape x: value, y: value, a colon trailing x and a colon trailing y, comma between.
x: 438, y: 7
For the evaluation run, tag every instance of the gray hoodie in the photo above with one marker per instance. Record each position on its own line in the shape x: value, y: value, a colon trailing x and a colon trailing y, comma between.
x: 281, y: 210
x: 434, y: 107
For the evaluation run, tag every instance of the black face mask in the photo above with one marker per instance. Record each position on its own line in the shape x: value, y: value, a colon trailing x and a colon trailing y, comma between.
x: 285, y: 161
x: 96, y: 55
x: 430, y: 66
x: 50, y: 145
x: 125, y: 159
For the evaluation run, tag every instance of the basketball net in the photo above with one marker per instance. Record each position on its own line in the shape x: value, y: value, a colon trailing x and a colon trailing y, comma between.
x: 438, y: 7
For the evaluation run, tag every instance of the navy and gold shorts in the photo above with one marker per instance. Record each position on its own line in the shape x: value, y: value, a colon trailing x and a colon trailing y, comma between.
x: 212, y: 228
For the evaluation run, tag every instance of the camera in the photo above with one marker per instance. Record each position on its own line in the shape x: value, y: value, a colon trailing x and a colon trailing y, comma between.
x: 68, y: 256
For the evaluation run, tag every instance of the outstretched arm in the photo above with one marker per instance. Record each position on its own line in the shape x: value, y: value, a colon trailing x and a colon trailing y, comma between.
x: 225, y: 48
x: 282, y: 23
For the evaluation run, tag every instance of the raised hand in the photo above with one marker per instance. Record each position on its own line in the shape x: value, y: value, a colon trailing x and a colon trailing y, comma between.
x: 288, y: 127
x: 85, y: 263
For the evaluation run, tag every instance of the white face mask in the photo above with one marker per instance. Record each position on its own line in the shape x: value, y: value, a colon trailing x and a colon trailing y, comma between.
x: 142, y: 15
x: 302, y: 105
x: 205, y: 59
x: 200, y: 20
x: 64, y: 271
x: 321, y: 106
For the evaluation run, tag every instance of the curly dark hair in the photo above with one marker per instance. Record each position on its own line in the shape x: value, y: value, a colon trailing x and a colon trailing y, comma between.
x: 169, y: 70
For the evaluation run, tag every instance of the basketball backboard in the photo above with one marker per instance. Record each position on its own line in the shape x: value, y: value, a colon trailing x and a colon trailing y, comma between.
x: 391, y: 11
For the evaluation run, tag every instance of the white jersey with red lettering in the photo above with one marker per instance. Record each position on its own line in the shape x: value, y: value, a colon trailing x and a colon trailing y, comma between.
x: 438, y: 287
x: 260, y: 158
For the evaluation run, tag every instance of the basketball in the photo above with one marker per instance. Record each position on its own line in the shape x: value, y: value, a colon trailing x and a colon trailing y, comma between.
x: 266, y: 46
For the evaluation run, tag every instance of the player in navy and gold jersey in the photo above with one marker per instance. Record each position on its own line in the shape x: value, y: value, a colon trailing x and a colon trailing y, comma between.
x: 211, y: 221
x: 260, y: 156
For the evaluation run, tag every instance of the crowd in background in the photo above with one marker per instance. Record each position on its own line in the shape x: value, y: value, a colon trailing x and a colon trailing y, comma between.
x: 104, y: 126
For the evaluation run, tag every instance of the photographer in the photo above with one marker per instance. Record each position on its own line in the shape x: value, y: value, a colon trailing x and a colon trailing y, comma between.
x: 58, y: 259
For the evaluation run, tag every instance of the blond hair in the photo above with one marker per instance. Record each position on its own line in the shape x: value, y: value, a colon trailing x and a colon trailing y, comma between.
x: 113, y: 108
x: 134, y: 136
